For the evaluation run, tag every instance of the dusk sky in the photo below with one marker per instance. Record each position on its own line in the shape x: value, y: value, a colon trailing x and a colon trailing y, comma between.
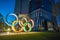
x: 7, y: 6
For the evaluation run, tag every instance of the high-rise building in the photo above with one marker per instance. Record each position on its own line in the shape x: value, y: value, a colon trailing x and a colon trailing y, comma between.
x: 41, y: 11
x: 21, y: 6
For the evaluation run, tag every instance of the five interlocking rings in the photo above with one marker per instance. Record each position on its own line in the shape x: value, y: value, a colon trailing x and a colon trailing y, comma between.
x: 24, y: 24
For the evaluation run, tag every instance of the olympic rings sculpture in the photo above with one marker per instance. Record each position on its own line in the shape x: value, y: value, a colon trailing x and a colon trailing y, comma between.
x: 23, y: 24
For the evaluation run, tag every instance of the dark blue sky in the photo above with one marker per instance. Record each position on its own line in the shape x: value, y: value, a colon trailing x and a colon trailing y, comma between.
x: 7, y: 6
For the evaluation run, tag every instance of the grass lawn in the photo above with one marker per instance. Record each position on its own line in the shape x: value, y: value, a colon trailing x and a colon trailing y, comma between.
x: 33, y: 36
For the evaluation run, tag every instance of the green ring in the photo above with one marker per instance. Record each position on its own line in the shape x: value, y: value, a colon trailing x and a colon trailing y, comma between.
x: 25, y: 27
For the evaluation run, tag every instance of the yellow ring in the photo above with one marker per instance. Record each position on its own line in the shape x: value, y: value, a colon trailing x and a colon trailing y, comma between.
x: 14, y: 28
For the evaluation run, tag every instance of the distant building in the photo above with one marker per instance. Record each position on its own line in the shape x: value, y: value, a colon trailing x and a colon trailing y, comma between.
x: 41, y: 12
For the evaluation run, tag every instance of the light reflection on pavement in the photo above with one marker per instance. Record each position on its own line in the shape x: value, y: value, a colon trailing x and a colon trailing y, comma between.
x: 13, y: 33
